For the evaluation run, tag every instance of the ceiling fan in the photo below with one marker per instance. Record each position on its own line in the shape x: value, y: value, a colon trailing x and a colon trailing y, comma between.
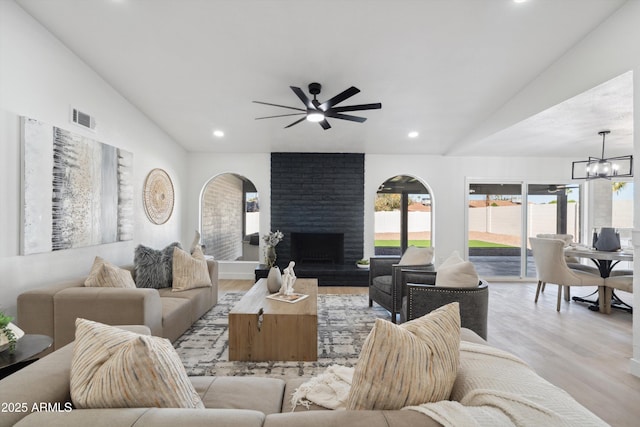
x: 316, y: 111
x: 556, y: 188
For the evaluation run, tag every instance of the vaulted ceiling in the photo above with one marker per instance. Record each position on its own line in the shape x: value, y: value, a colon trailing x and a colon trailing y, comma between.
x: 440, y: 68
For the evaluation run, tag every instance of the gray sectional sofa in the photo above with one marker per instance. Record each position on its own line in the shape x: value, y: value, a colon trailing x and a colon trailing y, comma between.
x: 53, y: 310
x: 265, y: 402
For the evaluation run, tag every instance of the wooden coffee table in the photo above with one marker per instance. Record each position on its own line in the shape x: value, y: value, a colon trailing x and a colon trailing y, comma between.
x: 261, y: 329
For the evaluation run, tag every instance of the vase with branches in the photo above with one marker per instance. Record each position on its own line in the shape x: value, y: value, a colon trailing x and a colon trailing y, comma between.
x: 271, y: 240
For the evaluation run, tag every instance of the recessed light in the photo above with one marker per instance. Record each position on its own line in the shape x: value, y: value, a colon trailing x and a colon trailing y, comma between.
x: 218, y: 133
x: 519, y: 1
x: 413, y: 134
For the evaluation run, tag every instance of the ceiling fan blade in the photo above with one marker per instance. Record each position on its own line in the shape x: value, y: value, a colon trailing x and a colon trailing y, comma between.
x: 345, y: 117
x: 359, y: 107
x: 279, y: 115
x: 339, y: 98
x: 296, y: 122
x: 305, y: 100
x: 278, y: 105
x: 325, y: 124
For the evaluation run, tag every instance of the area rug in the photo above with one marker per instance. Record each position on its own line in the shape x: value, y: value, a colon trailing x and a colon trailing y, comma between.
x: 344, y: 321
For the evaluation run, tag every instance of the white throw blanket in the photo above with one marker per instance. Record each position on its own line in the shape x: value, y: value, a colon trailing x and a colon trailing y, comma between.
x: 493, y: 388
x: 329, y: 389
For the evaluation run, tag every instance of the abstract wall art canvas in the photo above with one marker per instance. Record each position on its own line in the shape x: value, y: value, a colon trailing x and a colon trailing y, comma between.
x: 76, y: 191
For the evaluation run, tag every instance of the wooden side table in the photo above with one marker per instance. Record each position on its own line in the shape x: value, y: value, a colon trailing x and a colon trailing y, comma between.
x: 27, y: 348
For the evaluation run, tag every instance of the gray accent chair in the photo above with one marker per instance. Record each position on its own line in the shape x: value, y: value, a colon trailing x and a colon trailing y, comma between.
x: 421, y: 296
x: 384, y: 280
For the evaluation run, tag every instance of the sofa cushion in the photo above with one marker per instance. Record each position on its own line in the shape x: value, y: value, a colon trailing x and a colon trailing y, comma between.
x: 457, y: 273
x: 416, y: 256
x: 255, y: 393
x: 154, y: 268
x: 408, y: 364
x: 113, y: 368
x: 189, y: 271
x: 383, y: 283
x: 106, y: 275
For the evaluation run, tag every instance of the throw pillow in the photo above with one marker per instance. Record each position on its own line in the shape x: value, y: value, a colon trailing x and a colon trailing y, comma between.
x: 106, y: 275
x: 416, y: 256
x: 455, y: 272
x: 189, y: 271
x: 154, y: 268
x: 114, y: 368
x: 408, y: 364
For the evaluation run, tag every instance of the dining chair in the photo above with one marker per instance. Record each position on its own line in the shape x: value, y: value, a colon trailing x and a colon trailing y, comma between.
x: 611, y: 283
x: 551, y: 267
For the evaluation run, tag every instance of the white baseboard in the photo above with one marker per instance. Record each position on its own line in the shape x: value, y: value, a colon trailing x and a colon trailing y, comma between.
x: 237, y: 270
x: 634, y: 366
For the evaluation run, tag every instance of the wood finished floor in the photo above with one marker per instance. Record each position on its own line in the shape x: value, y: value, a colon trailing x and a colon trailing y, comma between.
x: 583, y: 352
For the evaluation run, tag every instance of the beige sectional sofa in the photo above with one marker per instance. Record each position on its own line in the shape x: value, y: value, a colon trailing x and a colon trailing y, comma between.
x: 53, y: 310
x: 265, y: 402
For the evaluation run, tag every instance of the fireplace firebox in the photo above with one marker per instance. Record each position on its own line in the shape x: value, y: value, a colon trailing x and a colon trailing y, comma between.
x: 317, y: 248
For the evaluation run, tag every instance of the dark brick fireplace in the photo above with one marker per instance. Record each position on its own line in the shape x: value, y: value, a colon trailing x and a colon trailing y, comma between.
x: 318, y: 198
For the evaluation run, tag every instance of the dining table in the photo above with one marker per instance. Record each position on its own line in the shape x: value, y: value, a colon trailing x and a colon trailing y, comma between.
x: 605, y: 261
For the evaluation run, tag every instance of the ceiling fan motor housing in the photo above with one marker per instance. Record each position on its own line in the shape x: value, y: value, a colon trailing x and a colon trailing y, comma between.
x: 314, y: 88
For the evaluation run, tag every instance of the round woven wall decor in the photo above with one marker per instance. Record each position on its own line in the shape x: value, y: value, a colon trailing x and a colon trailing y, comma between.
x: 158, y: 196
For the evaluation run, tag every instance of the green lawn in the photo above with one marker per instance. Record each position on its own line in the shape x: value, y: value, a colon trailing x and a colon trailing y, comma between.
x: 427, y: 243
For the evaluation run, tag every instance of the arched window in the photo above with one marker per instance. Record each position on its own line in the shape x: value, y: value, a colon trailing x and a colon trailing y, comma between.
x: 403, y: 215
x: 230, y: 218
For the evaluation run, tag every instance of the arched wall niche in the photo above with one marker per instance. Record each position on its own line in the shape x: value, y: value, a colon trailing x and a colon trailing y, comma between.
x: 403, y: 215
x: 230, y: 218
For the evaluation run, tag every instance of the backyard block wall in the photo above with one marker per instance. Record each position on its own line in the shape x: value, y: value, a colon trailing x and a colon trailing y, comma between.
x: 318, y: 193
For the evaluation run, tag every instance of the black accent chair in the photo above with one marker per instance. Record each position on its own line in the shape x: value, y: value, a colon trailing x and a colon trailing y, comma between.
x: 384, y: 274
x: 420, y: 296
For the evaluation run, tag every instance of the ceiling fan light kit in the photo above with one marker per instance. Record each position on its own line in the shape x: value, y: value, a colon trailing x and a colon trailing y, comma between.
x: 318, y: 112
x: 606, y: 168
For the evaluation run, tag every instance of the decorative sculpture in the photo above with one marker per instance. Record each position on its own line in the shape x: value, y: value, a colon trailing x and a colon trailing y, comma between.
x: 288, y: 279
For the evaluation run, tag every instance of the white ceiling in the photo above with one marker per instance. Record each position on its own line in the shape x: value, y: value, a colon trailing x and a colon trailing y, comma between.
x: 438, y: 67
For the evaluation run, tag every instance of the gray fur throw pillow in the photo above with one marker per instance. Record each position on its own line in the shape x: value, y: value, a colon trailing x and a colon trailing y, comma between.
x: 154, y: 268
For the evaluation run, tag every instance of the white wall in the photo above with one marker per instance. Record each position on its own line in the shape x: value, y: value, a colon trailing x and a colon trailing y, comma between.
x: 447, y: 177
x: 41, y: 79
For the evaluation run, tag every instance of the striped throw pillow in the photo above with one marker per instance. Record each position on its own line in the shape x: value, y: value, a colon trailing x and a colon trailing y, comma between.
x: 408, y: 364
x: 106, y: 275
x: 114, y: 368
x: 189, y: 271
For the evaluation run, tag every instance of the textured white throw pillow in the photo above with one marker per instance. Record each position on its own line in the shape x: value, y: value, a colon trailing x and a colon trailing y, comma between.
x: 189, y: 271
x: 106, y: 275
x: 416, y: 256
x: 114, y: 368
x: 408, y: 364
x: 455, y: 272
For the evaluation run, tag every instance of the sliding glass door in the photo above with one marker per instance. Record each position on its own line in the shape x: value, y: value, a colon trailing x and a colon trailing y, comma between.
x: 495, y: 228
x: 502, y: 216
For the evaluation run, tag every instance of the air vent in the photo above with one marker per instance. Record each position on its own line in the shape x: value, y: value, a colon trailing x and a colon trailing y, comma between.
x: 82, y: 119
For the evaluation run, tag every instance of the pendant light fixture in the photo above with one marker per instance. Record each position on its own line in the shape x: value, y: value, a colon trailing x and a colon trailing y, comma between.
x: 607, y: 168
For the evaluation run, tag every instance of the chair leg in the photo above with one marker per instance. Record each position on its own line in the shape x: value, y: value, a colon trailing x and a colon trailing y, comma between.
x: 604, y: 298
x: 567, y: 293
x: 544, y: 284
x: 540, y: 286
x: 559, y: 297
x: 370, y: 302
